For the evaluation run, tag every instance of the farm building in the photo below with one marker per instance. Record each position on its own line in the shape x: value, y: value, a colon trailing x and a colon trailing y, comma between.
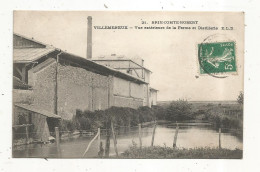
x: 50, y: 84
x: 47, y: 79
x: 134, y: 67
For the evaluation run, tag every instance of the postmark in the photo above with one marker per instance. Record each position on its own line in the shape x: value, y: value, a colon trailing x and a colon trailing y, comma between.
x: 217, y: 57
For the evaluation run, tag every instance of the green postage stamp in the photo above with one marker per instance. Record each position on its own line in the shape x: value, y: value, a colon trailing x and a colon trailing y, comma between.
x: 217, y: 57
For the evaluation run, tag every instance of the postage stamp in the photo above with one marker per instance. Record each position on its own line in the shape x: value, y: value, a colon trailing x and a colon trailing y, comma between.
x: 217, y: 57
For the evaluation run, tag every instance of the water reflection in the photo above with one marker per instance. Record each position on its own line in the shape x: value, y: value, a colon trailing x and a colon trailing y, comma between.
x: 188, y: 137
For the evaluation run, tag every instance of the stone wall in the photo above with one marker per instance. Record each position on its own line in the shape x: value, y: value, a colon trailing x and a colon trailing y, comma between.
x: 78, y: 88
x: 81, y: 89
x: 22, y: 96
x: 42, y: 78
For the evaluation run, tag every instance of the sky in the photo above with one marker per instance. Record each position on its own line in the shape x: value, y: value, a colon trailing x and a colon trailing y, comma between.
x: 171, y: 54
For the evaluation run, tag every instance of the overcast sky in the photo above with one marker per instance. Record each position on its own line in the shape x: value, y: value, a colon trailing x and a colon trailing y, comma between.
x: 170, y: 54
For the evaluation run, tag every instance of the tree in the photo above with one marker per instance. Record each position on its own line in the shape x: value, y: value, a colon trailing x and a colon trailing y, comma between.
x: 179, y: 110
x: 240, y: 98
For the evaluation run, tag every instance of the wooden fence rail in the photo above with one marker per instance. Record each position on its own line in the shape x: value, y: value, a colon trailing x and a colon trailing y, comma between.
x: 98, y: 133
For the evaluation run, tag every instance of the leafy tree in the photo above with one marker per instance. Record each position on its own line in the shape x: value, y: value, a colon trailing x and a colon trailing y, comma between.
x: 179, y: 110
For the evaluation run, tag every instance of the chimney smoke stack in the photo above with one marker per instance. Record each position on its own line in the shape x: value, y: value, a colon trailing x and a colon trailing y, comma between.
x: 89, y: 39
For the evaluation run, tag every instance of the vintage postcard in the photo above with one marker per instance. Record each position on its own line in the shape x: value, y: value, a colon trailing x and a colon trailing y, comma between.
x: 156, y: 85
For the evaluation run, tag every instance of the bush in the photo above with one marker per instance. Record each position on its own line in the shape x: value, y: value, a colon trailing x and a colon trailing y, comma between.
x: 67, y: 125
x: 221, y: 120
x: 120, y: 116
x: 179, y: 110
x: 159, y: 112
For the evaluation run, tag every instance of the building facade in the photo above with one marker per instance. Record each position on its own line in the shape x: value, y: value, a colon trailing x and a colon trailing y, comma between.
x: 61, y: 82
x: 134, y: 67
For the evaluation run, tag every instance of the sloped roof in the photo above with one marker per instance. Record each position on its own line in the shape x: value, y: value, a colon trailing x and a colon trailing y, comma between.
x: 34, y: 109
x: 26, y: 55
x: 153, y: 89
x: 30, y: 39
x: 98, y: 68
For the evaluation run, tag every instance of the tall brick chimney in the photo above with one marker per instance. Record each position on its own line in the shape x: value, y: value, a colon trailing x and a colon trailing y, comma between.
x: 89, y: 41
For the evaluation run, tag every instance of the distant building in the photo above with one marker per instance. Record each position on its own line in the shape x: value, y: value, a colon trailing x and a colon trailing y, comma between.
x: 134, y: 67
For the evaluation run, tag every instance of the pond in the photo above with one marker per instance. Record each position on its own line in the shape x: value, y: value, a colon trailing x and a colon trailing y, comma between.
x: 189, y: 136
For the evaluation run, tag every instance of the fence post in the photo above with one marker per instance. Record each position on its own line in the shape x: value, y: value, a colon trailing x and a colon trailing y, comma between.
x: 57, y: 136
x: 100, y: 145
x: 219, y: 138
x: 176, y: 135
x: 99, y: 138
x: 107, y: 142
x: 154, y: 127
x: 140, y: 137
x: 27, y: 134
x: 101, y: 150
x: 114, y: 138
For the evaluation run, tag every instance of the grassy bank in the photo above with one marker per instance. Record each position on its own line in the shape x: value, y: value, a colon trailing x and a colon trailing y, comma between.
x: 158, y: 152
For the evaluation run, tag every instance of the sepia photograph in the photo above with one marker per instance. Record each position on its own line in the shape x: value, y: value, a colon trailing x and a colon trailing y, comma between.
x: 128, y: 85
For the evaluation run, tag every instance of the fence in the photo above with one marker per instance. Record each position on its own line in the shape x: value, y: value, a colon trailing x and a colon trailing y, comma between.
x: 110, y: 134
x: 22, y: 131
